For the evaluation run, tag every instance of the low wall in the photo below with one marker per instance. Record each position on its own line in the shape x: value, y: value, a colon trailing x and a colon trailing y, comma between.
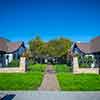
x: 21, y: 68
x: 10, y: 70
x: 77, y: 70
x: 86, y: 70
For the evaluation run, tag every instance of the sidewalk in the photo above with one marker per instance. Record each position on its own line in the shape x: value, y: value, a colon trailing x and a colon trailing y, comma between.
x: 50, y: 82
x: 50, y: 95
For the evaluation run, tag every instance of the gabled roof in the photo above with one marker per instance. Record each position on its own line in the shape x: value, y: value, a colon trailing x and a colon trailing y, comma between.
x: 92, y: 47
x: 95, y: 44
x: 3, y: 44
x: 84, y: 47
x: 7, y: 46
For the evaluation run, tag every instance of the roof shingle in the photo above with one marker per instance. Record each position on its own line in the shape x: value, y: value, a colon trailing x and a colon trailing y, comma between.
x: 84, y: 47
x: 92, y: 47
x: 7, y: 46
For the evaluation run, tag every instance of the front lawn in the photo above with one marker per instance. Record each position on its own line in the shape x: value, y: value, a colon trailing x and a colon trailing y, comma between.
x: 30, y: 80
x: 79, y: 82
x: 61, y: 68
x: 20, y: 81
x: 37, y: 67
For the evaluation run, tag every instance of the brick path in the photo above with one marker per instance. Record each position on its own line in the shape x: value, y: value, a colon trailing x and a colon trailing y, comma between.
x: 50, y: 82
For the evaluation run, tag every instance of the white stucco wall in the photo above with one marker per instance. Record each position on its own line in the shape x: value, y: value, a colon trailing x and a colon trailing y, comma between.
x: 10, y: 58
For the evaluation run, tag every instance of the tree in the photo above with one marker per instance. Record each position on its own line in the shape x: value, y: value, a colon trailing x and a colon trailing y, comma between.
x: 35, y: 46
x: 53, y: 48
x: 59, y: 47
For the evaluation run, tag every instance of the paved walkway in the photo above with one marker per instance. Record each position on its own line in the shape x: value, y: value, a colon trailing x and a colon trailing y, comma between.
x: 50, y: 82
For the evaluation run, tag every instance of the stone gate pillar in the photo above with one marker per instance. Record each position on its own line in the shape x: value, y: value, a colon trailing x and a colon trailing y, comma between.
x: 23, y: 64
x: 75, y: 64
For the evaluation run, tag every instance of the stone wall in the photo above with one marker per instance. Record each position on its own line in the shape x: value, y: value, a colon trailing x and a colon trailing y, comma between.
x: 77, y: 70
x: 22, y: 67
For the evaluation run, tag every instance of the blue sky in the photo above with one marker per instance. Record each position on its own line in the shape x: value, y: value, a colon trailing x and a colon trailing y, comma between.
x: 78, y: 20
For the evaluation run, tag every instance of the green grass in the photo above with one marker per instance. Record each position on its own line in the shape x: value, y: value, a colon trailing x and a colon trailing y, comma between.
x: 79, y: 82
x: 20, y: 81
x: 30, y: 80
x: 37, y: 67
x: 61, y: 68
x: 76, y: 82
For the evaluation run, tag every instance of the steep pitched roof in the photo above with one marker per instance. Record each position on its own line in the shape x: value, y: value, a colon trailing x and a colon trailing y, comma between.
x: 92, y: 47
x: 3, y: 45
x: 95, y: 44
x: 7, y: 46
x: 84, y: 47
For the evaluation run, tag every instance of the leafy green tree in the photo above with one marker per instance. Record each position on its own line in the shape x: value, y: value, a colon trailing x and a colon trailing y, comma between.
x: 59, y: 47
x: 35, y: 46
x: 56, y: 47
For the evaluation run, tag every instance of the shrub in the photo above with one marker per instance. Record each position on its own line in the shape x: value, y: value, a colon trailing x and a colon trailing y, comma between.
x: 13, y: 63
x: 84, y: 65
x: 31, y: 61
x: 85, y: 61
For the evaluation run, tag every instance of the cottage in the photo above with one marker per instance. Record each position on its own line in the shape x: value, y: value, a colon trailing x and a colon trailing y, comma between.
x: 88, y: 49
x: 10, y: 50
